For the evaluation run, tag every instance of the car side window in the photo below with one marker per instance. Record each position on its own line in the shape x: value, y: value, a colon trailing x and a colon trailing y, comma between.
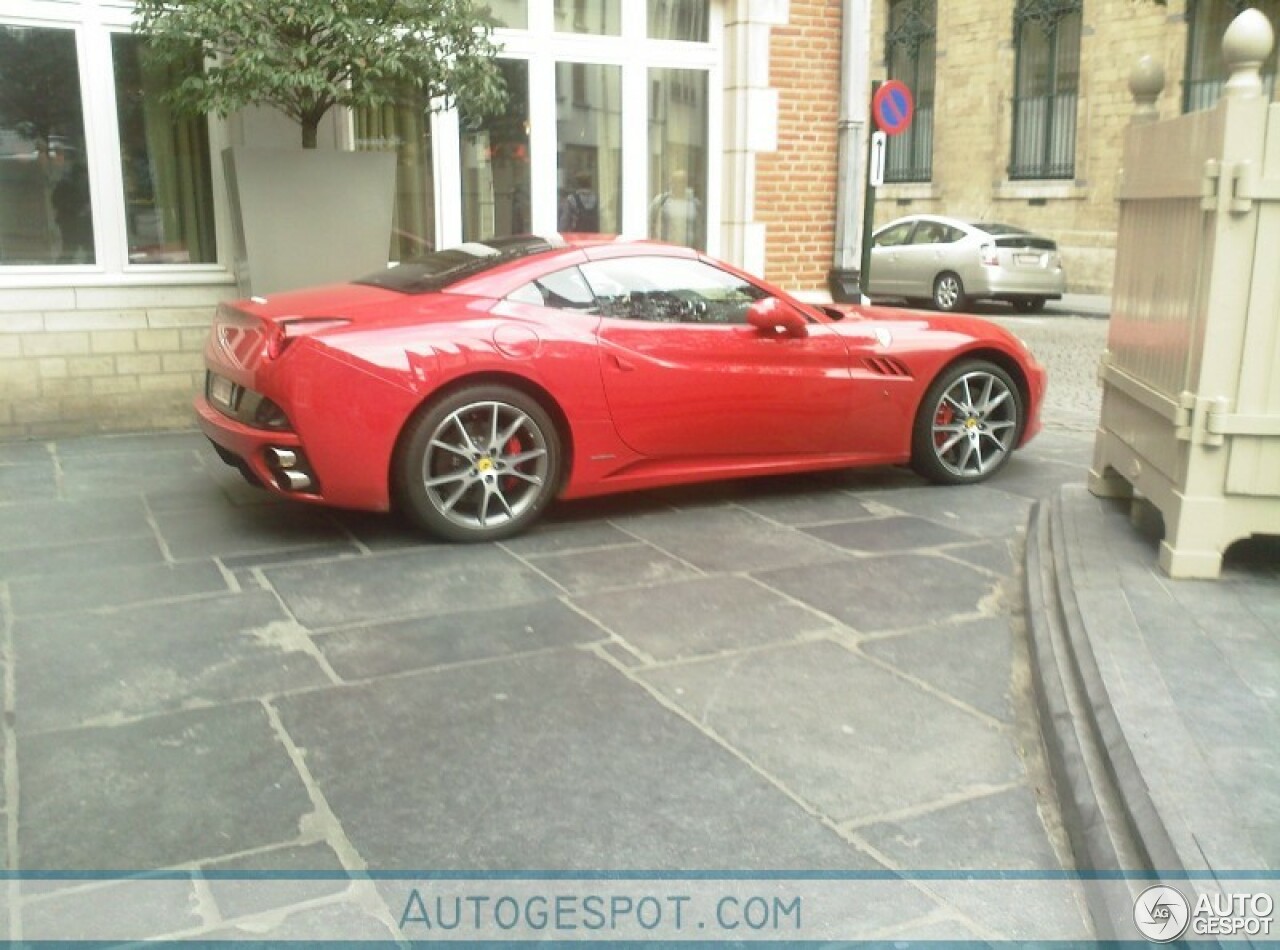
x: 895, y: 235
x: 929, y: 232
x: 950, y: 235
x: 669, y: 290
x: 561, y: 290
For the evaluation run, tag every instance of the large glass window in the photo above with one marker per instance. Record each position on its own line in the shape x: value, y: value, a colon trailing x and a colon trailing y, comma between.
x: 1046, y: 80
x: 598, y: 17
x: 589, y: 134
x: 512, y: 13
x: 910, y: 50
x: 1206, y: 71
x: 678, y: 20
x: 46, y: 215
x: 678, y: 156
x: 405, y: 127
x: 495, y: 163
x: 168, y: 194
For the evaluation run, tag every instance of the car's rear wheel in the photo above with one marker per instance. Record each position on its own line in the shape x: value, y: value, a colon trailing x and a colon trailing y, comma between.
x: 968, y: 424
x: 480, y: 464
x: 1029, y: 304
x: 948, y: 292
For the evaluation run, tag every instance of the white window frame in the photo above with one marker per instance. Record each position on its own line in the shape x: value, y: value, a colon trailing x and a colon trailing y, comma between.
x: 542, y: 48
x: 94, y: 22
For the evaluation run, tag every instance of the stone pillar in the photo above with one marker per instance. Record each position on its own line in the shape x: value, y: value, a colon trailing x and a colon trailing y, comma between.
x: 750, y: 124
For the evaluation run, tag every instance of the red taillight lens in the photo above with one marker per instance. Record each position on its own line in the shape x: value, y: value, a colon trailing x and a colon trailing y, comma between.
x: 989, y: 255
x: 286, y: 331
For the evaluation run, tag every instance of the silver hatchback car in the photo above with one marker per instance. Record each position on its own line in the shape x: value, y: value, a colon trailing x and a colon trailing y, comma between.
x: 950, y: 261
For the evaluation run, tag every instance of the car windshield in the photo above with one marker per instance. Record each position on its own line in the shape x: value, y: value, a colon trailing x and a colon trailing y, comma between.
x: 441, y: 269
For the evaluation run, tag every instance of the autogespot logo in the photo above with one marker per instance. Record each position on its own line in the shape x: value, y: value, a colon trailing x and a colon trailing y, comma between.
x: 1161, y: 913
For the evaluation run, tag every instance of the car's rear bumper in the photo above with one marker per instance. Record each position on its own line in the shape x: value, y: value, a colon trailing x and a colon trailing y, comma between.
x: 274, y: 459
x: 1001, y: 283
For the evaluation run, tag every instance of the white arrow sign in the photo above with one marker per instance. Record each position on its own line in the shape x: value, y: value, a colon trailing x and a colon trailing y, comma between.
x: 878, y: 143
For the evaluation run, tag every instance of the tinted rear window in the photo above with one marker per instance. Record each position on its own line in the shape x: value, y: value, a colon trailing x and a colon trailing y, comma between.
x: 1027, y: 241
x: 994, y: 227
x: 441, y: 269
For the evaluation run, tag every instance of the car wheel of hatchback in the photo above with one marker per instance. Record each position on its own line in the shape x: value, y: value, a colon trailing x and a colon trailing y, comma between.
x: 480, y: 464
x: 948, y: 292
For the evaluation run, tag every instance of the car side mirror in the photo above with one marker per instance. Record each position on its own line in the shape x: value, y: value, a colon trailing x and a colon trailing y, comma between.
x: 774, y: 317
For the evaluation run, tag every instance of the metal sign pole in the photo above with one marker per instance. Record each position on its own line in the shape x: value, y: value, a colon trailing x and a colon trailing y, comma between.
x: 868, y: 206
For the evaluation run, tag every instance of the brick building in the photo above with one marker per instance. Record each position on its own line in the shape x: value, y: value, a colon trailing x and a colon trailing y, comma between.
x: 1022, y: 106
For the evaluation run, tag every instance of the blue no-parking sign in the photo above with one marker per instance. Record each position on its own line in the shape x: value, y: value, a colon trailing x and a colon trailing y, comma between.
x: 892, y: 107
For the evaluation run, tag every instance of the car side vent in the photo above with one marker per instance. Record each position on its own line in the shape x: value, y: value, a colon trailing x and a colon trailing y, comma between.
x: 885, y: 366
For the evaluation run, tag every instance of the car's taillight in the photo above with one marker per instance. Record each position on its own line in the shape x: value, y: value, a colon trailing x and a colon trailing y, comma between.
x: 286, y: 331
x: 989, y: 255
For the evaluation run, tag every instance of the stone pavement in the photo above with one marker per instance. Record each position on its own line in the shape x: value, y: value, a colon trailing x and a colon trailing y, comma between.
x: 1159, y: 698
x: 823, y: 673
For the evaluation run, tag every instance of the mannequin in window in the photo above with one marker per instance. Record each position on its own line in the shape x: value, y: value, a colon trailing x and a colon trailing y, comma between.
x: 580, y: 209
x: 72, y: 210
x: 676, y: 213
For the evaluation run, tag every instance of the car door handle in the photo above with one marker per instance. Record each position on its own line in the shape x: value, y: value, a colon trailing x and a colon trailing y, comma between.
x: 619, y: 363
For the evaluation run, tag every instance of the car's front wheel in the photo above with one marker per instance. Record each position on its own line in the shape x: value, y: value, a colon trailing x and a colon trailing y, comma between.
x: 968, y: 424
x: 480, y: 464
x: 948, y: 292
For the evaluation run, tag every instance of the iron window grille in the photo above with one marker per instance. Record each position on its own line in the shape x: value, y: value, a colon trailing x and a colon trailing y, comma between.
x: 1046, y: 88
x: 910, y: 51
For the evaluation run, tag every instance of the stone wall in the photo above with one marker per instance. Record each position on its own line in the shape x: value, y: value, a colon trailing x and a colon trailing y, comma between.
x: 82, y: 360
x: 972, y: 126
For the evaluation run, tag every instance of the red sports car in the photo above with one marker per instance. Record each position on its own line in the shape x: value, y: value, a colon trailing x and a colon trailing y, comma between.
x: 473, y: 386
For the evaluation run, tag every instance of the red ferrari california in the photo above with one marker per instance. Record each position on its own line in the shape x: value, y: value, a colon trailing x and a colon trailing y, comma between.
x: 472, y: 387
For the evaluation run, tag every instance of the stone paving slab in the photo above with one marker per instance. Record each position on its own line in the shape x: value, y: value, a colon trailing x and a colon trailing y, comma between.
x: 726, y: 539
x: 421, y: 643
x: 157, y: 792
x: 704, y: 615
x: 554, y: 759
x: 79, y: 668
x: 968, y: 660
x: 867, y: 593
x: 413, y: 582
x: 852, y: 738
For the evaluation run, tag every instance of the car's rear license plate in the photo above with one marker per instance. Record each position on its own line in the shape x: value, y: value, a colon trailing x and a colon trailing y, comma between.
x: 1029, y: 260
x: 222, y: 392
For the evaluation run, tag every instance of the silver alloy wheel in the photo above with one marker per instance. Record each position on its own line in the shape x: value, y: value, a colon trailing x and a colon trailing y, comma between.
x: 948, y: 292
x: 974, y: 424
x: 486, y: 464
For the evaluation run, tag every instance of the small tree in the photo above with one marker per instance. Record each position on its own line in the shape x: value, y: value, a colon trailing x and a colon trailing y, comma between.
x: 306, y: 56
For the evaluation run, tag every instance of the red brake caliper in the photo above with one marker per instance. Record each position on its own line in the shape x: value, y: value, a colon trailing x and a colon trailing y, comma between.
x: 944, y: 417
x: 511, y: 448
